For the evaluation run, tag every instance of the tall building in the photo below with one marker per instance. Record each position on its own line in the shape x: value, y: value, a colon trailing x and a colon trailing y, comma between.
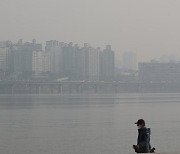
x: 22, y: 57
x: 156, y: 72
x: 54, y: 50
x: 79, y: 62
x: 69, y: 61
x: 91, y: 56
x: 40, y: 63
x: 129, y: 61
x: 59, y: 60
x: 4, y: 59
x: 107, y: 64
x: 93, y: 64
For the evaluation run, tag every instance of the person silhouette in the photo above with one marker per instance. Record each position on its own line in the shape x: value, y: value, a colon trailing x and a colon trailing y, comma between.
x: 143, y: 141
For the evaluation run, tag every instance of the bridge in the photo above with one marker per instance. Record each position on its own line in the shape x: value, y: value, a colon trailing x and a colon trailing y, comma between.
x: 52, y: 87
x: 12, y: 87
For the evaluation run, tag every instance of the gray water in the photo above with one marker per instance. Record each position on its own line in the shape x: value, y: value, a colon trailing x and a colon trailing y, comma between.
x: 87, y: 124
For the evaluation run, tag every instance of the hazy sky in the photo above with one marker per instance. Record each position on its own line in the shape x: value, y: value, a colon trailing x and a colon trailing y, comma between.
x: 148, y: 27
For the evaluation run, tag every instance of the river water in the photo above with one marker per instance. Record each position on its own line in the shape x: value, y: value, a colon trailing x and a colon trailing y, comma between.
x: 87, y: 124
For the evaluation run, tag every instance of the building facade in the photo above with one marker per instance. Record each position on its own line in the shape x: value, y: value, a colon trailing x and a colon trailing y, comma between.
x: 6, y: 59
x: 24, y: 61
x: 4, y: 52
x: 54, y: 51
x: 107, y: 64
x: 22, y: 57
x: 159, y: 72
x: 91, y: 63
x: 40, y: 63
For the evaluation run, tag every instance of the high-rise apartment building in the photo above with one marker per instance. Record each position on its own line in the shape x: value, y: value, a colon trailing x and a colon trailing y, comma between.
x: 22, y: 57
x: 40, y: 63
x: 4, y: 59
x: 91, y: 56
x: 59, y: 60
x: 54, y: 50
x: 107, y: 64
x: 69, y: 61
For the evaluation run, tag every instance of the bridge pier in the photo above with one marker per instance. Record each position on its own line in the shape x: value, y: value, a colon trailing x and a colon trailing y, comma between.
x: 11, y: 90
x: 37, y: 89
x: 95, y: 87
x: 1, y: 89
x: 52, y: 89
x: 116, y: 88
x: 70, y: 88
x: 6, y: 89
x: 29, y: 89
x: 59, y: 89
x: 78, y: 88
x: 81, y: 88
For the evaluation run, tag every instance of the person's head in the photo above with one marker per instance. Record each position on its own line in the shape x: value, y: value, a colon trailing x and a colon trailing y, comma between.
x: 140, y: 123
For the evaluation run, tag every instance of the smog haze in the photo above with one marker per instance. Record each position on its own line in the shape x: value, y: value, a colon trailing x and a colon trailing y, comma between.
x: 148, y: 27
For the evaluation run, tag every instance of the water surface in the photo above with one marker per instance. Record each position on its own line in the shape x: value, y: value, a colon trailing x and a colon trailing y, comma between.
x: 87, y: 124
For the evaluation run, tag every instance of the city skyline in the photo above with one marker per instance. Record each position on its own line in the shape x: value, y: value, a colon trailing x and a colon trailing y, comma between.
x: 28, y: 60
x: 164, y: 57
x: 148, y: 28
x: 60, y: 61
x: 76, y: 75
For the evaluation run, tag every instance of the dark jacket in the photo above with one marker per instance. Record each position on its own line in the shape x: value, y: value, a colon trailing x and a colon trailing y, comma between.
x: 143, y: 140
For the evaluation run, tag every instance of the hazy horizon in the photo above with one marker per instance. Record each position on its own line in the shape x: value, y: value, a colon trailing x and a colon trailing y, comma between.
x: 149, y: 28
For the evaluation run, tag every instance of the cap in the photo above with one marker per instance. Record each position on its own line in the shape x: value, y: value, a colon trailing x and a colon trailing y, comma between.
x: 140, y: 122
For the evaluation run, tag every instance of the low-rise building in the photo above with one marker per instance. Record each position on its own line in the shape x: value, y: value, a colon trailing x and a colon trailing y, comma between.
x: 159, y: 72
